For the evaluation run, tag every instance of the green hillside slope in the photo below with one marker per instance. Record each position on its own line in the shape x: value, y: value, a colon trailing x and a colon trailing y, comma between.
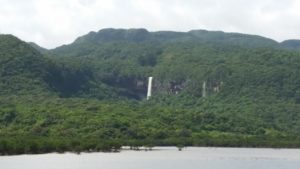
x: 90, y: 95
x: 291, y: 44
x: 22, y: 68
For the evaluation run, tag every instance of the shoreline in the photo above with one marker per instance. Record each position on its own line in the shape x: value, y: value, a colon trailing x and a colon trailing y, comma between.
x: 153, y: 149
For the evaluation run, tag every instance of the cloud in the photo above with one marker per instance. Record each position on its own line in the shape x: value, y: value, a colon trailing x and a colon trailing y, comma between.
x: 51, y: 23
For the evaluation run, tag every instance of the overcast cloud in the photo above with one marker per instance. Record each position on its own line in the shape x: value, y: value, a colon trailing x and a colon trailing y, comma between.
x: 51, y: 23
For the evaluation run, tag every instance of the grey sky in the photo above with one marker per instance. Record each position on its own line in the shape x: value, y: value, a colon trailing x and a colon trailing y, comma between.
x: 51, y: 23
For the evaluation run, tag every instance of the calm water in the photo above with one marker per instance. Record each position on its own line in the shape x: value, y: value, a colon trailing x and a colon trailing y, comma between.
x: 162, y: 158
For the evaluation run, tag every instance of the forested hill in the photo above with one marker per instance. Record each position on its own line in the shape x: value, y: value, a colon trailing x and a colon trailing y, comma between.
x: 291, y: 44
x: 209, y: 89
x: 181, y: 62
x: 110, y: 35
x: 22, y: 68
x: 164, y: 37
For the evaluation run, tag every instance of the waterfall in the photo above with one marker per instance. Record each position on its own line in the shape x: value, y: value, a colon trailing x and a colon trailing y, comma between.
x: 204, y: 89
x: 149, y: 88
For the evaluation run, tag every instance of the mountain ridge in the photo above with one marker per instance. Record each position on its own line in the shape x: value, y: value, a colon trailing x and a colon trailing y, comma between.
x: 162, y: 33
x: 166, y: 33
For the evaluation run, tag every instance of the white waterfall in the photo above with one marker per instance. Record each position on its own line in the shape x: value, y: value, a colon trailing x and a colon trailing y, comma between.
x: 149, y: 88
x: 204, y: 89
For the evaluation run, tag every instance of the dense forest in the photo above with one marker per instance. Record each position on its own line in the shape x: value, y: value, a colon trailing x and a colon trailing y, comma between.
x: 210, y: 88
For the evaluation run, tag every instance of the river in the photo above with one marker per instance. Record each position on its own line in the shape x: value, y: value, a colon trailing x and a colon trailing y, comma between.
x: 161, y: 158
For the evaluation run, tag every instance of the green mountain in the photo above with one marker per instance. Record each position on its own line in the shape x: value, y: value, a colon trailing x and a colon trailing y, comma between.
x: 123, y: 59
x: 209, y: 89
x: 291, y: 44
x: 22, y: 68
x: 86, y: 43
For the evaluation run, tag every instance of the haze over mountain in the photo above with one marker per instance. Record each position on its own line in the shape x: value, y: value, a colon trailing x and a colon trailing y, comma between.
x: 91, y: 93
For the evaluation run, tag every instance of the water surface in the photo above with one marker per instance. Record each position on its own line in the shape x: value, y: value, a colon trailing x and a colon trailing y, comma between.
x: 162, y: 158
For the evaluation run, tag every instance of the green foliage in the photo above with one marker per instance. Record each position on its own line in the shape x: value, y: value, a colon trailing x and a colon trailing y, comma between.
x: 90, y: 95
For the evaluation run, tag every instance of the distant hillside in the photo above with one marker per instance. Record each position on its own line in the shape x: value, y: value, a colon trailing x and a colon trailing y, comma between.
x: 291, y: 44
x: 142, y: 35
x: 123, y: 59
x: 104, y: 36
x: 38, y: 48
x: 115, y: 63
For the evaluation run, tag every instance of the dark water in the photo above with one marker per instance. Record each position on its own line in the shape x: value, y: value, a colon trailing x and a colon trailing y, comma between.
x: 162, y: 158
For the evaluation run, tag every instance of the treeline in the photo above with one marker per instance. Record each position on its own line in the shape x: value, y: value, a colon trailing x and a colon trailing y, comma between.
x: 39, y: 145
x: 40, y: 125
